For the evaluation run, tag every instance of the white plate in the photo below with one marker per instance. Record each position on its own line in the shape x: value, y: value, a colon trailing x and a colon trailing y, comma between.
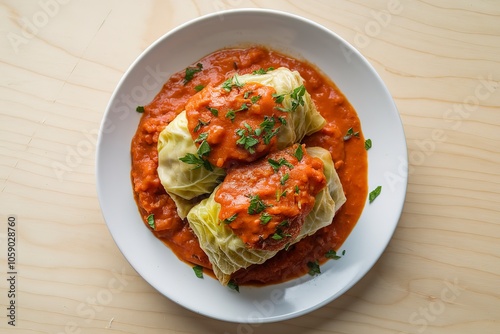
x: 355, y: 77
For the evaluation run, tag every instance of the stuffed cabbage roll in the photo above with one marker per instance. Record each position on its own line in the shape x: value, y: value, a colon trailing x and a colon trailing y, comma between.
x: 183, y: 182
x: 238, y: 121
x: 266, y: 206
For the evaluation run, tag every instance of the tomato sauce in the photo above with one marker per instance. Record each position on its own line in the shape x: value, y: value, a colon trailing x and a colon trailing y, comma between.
x: 349, y: 156
x: 270, y: 202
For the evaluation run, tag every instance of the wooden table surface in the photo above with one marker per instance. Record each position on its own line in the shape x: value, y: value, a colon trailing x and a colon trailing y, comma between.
x: 60, y: 62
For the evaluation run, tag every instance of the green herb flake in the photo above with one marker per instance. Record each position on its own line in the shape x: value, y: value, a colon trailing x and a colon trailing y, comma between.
x: 284, y: 178
x: 246, y: 138
x: 151, y: 221
x: 277, y: 164
x: 247, y: 94
x: 191, y: 71
x: 203, y: 136
x: 374, y: 193
x: 231, y: 82
x: 277, y: 236
x: 262, y: 70
x: 198, y: 87
x: 332, y: 254
x: 265, y: 218
x: 368, y: 144
x: 198, y: 271
x: 350, y: 133
x: 284, y: 223
x: 282, y: 120
x: 204, y: 149
x: 230, y: 219
x: 298, y: 97
x: 214, y: 111
x: 343, y: 252
x: 299, y: 153
x: 231, y: 114
x: 233, y: 286
x: 313, y: 268
x: 199, y: 125
x: 139, y: 109
x: 278, y: 98
x: 256, y: 205
x: 297, y: 189
x: 197, y: 161
x: 254, y: 99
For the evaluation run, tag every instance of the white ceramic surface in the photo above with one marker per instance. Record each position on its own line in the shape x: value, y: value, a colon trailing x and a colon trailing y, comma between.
x: 357, y: 80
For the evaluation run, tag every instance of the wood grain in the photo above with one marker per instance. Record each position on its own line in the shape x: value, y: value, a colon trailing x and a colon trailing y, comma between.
x: 440, y: 61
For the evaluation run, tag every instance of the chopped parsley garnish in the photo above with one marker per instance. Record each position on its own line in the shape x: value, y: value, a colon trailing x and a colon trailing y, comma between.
x: 151, y: 221
x: 203, y: 136
x: 277, y: 164
x: 256, y: 205
x: 265, y: 218
x: 233, y: 286
x: 313, y: 268
x: 332, y: 254
x: 247, y: 139
x: 279, y: 235
x: 276, y: 236
x: 204, y: 149
x: 267, y: 128
x: 351, y: 133
x: 198, y: 87
x: 214, y: 111
x: 297, y: 189
x: 298, y: 97
x: 368, y: 144
x: 197, y: 161
x: 254, y: 99
x: 374, y: 193
x: 278, y: 98
x: 282, y: 120
x: 139, y: 109
x: 191, y: 71
x: 284, y: 223
x: 231, y: 82
x: 262, y: 70
x: 284, y: 178
x: 299, y: 153
x: 230, y: 219
x: 198, y: 271
x: 231, y: 114
x: 247, y: 94
x: 199, y: 125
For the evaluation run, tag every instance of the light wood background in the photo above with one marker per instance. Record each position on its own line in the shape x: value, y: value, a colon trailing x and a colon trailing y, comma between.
x: 59, y: 64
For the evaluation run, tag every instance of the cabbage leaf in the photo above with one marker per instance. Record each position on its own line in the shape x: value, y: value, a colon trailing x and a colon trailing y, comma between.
x: 182, y: 181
